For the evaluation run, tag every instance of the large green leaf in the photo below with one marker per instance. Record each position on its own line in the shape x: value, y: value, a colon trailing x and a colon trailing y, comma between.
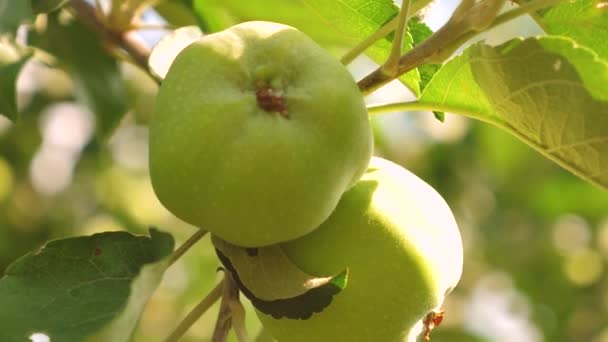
x: 10, y: 66
x: 217, y: 15
x: 547, y: 91
x: 585, y: 21
x: 96, y: 75
x: 92, y: 288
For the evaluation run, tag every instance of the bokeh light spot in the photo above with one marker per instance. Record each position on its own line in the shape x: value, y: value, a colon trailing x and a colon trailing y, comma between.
x: 584, y: 268
x: 40, y: 337
x: 602, y: 237
x: 570, y: 234
x: 6, y: 179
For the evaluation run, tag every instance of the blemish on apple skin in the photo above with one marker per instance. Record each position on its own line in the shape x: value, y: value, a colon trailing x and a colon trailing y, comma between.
x: 98, y: 251
x: 252, y: 252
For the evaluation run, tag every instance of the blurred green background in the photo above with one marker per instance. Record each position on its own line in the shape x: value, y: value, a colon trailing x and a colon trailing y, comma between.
x: 535, y: 236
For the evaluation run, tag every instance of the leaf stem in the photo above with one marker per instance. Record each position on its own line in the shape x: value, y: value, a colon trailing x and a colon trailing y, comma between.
x: 213, y: 296
x: 421, y: 106
x: 390, y: 66
x: 192, y: 240
x: 382, y: 32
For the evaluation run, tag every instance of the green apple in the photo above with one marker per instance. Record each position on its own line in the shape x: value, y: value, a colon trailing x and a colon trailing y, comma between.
x: 400, y: 243
x: 256, y: 134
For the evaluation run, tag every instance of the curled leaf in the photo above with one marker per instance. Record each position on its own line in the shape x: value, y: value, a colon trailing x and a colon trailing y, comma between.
x: 274, y: 284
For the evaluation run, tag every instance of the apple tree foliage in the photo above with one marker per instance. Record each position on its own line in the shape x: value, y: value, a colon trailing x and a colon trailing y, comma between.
x: 524, y: 98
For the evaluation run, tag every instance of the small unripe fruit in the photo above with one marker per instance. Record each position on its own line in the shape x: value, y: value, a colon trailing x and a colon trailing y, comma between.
x: 399, y: 241
x: 256, y: 134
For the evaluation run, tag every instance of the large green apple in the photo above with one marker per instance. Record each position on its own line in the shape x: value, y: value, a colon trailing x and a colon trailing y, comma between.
x: 400, y: 243
x: 256, y: 134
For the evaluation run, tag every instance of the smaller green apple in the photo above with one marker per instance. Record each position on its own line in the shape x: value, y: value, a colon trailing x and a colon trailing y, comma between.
x: 256, y: 134
x: 399, y: 241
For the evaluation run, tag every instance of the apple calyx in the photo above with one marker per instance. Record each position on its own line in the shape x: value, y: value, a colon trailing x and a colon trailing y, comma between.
x: 432, y: 320
x: 268, y: 101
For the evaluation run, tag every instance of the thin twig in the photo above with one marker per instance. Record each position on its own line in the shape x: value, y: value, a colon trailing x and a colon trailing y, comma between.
x: 380, y: 33
x: 223, y: 322
x: 227, y: 317
x: 369, y: 41
x: 193, y: 316
x: 192, y: 240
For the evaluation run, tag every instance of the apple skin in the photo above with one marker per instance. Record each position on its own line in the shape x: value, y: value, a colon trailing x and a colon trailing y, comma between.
x: 256, y: 134
x: 400, y: 242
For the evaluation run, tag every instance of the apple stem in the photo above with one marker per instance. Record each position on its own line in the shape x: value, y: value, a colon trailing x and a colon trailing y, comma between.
x: 192, y: 240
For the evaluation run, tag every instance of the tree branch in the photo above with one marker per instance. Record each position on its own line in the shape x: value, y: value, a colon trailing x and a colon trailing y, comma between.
x: 444, y: 42
x: 436, y: 45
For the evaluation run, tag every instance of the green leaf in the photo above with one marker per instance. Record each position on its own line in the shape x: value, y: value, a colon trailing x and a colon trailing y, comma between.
x: 9, y: 71
x: 177, y: 12
x: 439, y: 115
x: 585, y: 21
x: 217, y: 15
x: 96, y: 75
x: 420, y: 32
x: 79, y: 288
x: 46, y: 6
x: 274, y: 284
x: 546, y: 91
x: 13, y: 13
